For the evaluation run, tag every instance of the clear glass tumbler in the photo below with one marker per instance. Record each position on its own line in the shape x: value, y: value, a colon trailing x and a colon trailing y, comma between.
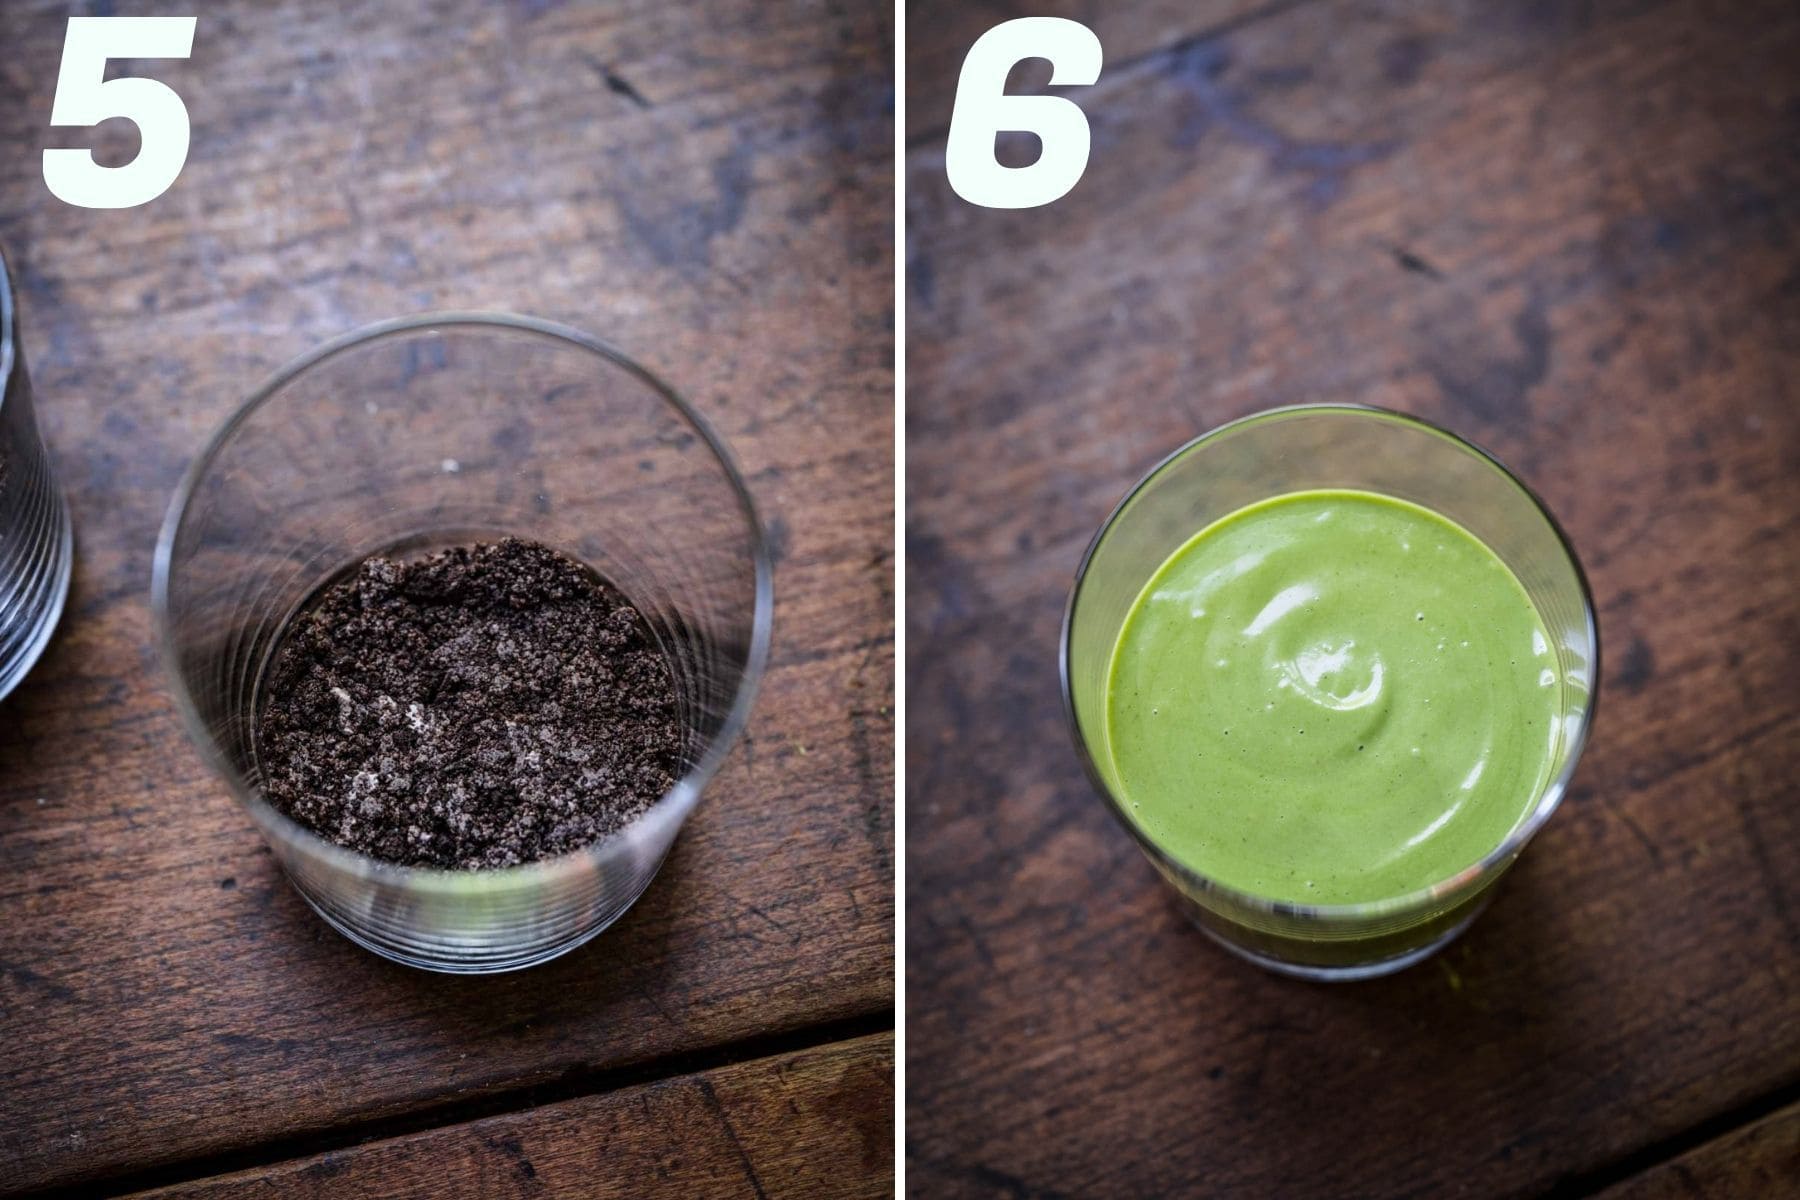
x: 1296, y: 449
x: 36, y: 539
x: 425, y: 432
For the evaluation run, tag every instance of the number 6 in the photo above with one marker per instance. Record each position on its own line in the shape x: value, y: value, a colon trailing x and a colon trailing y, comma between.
x: 983, y: 109
x: 84, y: 96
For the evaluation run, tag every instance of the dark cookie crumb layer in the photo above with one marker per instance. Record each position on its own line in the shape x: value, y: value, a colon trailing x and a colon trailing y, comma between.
x: 486, y: 706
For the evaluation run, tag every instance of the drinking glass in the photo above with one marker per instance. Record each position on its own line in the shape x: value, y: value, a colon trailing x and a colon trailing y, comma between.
x: 426, y: 432
x: 36, y: 539
x: 1324, y: 447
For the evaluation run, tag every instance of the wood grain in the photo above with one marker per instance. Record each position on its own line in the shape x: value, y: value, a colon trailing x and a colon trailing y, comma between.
x: 707, y: 184
x: 1759, y: 1159
x: 814, y: 1124
x: 1568, y: 231
x: 1127, y: 32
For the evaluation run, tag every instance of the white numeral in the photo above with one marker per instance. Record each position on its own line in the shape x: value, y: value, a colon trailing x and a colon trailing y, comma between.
x: 84, y: 96
x: 983, y: 109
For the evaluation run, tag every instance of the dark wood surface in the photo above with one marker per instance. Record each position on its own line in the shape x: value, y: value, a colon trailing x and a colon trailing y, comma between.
x: 1758, y: 1159
x: 707, y: 184
x: 818, y: 1123
x: 941, y: 34
x: 1570, y: 231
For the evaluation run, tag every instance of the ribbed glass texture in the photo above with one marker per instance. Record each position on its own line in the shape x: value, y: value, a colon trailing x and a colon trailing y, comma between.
x: 36, y: 540
x: 427, y: 432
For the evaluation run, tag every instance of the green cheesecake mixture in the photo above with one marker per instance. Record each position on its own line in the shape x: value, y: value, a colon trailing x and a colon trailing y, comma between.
x: 1331, y: 697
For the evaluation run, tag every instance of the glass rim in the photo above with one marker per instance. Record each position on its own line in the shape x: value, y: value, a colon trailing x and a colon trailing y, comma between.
x: 669, y: 808
x: 1549, y: 798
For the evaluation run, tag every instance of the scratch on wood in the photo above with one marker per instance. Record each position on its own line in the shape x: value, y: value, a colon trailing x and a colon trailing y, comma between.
x: 791, y: 935
x: 1409, y: 261
x: 975, y: 939
x: 662, y: 1011
x: 1630, y: 822
x: 1774, y: 879
x: 712, y: 1102
x: 616, y: 83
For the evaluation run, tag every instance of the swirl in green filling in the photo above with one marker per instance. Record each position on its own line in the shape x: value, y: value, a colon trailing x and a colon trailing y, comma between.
x: 1331, y: 697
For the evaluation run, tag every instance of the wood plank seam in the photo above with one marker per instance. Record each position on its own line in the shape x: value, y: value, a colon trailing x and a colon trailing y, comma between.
x: 516, y: 1100
x: 812, y: 1122
x: 1660, y: 1153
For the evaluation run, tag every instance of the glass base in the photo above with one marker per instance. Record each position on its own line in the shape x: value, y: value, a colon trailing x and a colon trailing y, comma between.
x: 483, y: 953
x: 1349, y: 973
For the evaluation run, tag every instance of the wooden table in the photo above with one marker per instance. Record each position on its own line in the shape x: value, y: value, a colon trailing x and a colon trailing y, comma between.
x: 709, y: 184
x: 1571, y: 231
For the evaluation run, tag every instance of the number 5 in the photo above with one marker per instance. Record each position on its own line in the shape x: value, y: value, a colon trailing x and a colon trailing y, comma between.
x: 983, y: 109
x: 84, y: 96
